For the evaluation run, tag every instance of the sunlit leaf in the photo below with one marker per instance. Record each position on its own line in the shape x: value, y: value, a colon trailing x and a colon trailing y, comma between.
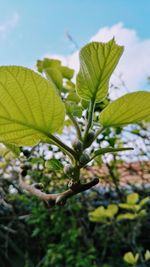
x: 98, y: 215
x: 130, y: 108
x: 132, y: 198
x: 97, y: 62
x: 147, y: 255
x: 67, y: 72
x: 144, y: 201
x: 130, y: 258
x: 55, y: 76
x: 112, y: 210
x: 30, y: 108
x: 126, y: 216
x: 129, y: 206
x: 73, y: 97
x: 74, y: 110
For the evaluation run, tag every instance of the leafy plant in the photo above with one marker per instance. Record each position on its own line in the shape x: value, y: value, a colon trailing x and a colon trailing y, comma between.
x: 130, y: 258
x: 35, y: 107
x: 133, y: 210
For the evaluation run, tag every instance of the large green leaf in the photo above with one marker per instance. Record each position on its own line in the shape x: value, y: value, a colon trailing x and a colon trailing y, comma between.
x: 30, y: 108
x: 97, y: 62
x: 130, y: 108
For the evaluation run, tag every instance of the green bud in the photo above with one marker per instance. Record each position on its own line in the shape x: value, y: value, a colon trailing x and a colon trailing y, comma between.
x: 84, y: 159
x: 77, y: 145
x: 26, y: 153
x: 89, y: 139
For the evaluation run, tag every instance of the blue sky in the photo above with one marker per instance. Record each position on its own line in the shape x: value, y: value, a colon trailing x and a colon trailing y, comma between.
x: 31, y: 29
x: 41, y: 25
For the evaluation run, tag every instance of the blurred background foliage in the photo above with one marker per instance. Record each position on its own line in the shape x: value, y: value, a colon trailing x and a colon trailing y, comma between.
x: 107, y: 226
x: 95, y: 228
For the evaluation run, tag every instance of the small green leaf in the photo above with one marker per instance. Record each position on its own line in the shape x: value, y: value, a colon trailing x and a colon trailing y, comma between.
x: 130, y: 258
x: 144, y: 201
x: 9, y: 151
x: 73, y: 97
x: 67, y: 72
x: 130, y: 206
x: 130, y: 108
x: 70, y: 86
x: 51, y: 63
x: 126, y: 216
x: 85, y: 104
x: 98, y: 215
x: 53, y: 165
x: 132, y: 198
x: 74, y: 110
x: 102, y: 151
x: 14, y: 149
x: 97, y: 62
x: 142, y: 213
x: 147, y: 255
x: 112, y: 210
x: 30, y: 108
x: 54, y: 75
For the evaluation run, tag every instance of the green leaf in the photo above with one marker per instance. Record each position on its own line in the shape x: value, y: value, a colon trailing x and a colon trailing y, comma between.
x: 74, y: 110
x: 53, y: 165
x: 67, y: 72
x: 112, y: 210
x: 130, y: 206
x: 98, y: 215
x: 30, y: 108
x: 73, y: 97
x: 130, y: 108
x: 54, y: 75
x: 130, y: 258
x: 70, y: 86
x: 13, y: 148
x: 142, y: 213
x: 126, y: 216
x: 132, y: 198
x: 102, y: 151
x: 51, y: 63
x: 147, y: 255
x: 97, y: 62
x: 144, y: 201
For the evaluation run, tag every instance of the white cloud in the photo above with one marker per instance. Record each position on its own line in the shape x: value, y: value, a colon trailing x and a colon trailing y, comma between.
x: 134, y: 66
x: 8, y: 24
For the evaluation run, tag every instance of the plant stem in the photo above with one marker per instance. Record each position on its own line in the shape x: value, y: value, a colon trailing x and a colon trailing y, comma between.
x: 99, y: 131
x: 60, y: 198
x: 69, y: 151
x: 90, y: 117
x: 72, y: 118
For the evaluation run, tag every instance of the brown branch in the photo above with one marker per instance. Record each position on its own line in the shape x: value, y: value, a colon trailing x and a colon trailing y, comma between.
x: 60, y: 198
